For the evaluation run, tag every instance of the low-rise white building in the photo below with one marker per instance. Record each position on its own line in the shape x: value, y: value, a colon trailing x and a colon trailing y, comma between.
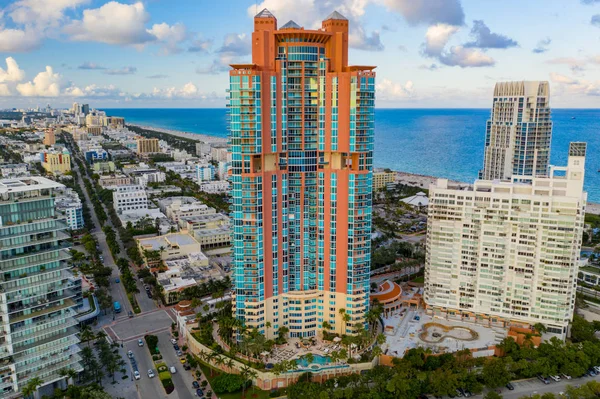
x: 178, y: 207
x: 14, y: 170
x: 69, y: 203
x: 214, y: 187
x: 130, y: 198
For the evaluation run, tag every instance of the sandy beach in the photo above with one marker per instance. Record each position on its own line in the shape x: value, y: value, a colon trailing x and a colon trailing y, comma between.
x: 187, y: 135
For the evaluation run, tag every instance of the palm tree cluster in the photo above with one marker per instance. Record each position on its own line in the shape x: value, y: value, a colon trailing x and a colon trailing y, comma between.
x: 100, y: 358
x: 208, y: 288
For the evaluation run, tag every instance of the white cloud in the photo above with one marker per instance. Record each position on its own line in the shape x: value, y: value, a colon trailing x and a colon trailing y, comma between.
x: 94, y: 91
x: 41, y: 13
x: 234, y: 49
x: 359, y: 39
x: 388, y: 90
x: 17, y: 40
x: 45, y: 84
x: 12, y: 73
x: 437, y: 37
x: 428, y: 11
x: 466, y: 57
x: 562, y: 79
x: 113, y: 23
x: 170, y: 35
x: 4, y: 90
x: 189, y: 90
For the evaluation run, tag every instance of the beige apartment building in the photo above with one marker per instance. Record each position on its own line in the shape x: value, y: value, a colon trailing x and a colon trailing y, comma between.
x: 381, y: 179
x: 506, y: 252
x: 147, y: 146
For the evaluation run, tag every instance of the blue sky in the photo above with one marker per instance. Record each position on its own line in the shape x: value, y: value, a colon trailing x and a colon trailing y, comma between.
x: 174, y: 53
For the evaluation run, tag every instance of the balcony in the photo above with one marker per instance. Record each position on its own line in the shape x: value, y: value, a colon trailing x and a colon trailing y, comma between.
x: 69, y: 332
x: 60, y: 236
x: 62, y: 254
x: 65, y: 274
x: 68, y: 318
x: 67, y: 293
x: 47, y: 358
x: 68, y: 303
x: 71, y: 362
x: 20, y: 297
x: 23, y: 357
x: 5, y: 231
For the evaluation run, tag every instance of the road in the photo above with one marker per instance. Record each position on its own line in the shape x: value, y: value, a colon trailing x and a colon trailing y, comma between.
x: 117, y: 291
x: 534, y: 386
x: 147, y: 387
x: 182, y: 379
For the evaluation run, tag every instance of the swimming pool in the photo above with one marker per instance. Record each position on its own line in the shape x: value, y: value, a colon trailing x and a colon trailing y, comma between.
x: 317, y: 359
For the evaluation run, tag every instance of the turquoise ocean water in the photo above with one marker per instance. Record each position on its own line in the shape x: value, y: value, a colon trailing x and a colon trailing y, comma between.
x: 436, y: 142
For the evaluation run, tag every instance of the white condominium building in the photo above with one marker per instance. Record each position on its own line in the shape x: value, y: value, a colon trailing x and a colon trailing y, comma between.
x: 506, y: 252
x: 130, y: 198
x: 519, y: 131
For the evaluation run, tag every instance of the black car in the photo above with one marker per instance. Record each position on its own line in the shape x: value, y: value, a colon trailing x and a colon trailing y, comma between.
x: 199, y: 392
x: 149, y: 295
x: 510, y: 387
x: 195, y: 385
x: 176, y: 347
x: 187, y: 367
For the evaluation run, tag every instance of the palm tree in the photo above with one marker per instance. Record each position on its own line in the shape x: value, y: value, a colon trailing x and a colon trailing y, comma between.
x: 211, y: 356
x: 326, y: 325
x: 219, y: 361
x: 342, y: 312
x: 229, y: 364
x: 244, y: 373
x: 346, y: 319
x: 70, y: 374
x: 252, y: 376
x: 86, y: 334
x: 268, y: 325
x: 32, y: 386
x: 540, y: 328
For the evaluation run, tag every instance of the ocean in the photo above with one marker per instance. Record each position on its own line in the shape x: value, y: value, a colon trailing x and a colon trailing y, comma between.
x: 435, y: 142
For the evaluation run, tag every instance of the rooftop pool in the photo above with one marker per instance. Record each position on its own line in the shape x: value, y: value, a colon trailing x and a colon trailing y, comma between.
x: 317, y: 359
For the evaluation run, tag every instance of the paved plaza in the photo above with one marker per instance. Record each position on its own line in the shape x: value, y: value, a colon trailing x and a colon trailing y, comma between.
x: 403, y: 330
x: 138, y: 326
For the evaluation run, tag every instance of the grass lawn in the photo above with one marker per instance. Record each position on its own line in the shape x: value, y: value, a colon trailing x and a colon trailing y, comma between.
x: 250, y: 394
x: 420, y: 279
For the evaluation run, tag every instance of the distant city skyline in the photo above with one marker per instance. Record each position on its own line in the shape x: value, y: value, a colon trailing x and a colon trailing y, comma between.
x: 429, y: 53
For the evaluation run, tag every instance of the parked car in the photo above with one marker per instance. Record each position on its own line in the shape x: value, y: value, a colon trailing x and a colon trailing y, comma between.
x: 136, y: 375
x: 555, y: 378
x: 568, y: 377
x: 179, y: 353
x: 172, y: 369
x: 510, y: 387
x: 117, y: 280
x: 176, y: 347
x: 150, y: 374
x: 140, y: 342
x: 597, y: 369
x: 195, y: 385
x: 130, y: 354
x: 199, y: 392
x: 173, y: 341
x: 459, y: 393
x: 130, y: 313
x: 543, y: 379
x: 182, y: 360
x: 187, y: 367
x: 149, y: 295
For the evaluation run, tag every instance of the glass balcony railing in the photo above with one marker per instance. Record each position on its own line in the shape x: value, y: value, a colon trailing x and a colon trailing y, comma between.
x: 67, y: 333
x: 68, y: 318
x: 41, y: 302
x: 60, y: 236
x: 46, y: 372
x: 23, y: 357
x: 64, y: 274
x: 37, y: 227
x: 48, y: 308
x: 48, y: 358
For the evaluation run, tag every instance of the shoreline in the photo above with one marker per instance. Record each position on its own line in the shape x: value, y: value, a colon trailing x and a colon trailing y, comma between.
x: 413, y: 179
x: 205, y: 138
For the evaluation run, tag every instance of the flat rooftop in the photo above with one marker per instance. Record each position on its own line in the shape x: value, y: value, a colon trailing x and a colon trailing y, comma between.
x: 168, y: 240
x: 15, y: 185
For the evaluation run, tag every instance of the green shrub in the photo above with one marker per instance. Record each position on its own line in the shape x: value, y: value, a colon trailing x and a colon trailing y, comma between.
x: 164, y: 375
x: 227, y: 383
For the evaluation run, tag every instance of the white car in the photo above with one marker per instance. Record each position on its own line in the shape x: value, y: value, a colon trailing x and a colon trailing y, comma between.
x: 555, y: 378
x: 172, y: 369
x: 173, y: 341
x: 140, y: 342
x: 568, y: 377
x: 136, y: 375
x: 150, y: 374
x: 130, y: 354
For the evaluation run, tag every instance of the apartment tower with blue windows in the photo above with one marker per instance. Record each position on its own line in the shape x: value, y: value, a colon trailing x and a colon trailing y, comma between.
x: 37, y: 290
x: 301, y: 138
